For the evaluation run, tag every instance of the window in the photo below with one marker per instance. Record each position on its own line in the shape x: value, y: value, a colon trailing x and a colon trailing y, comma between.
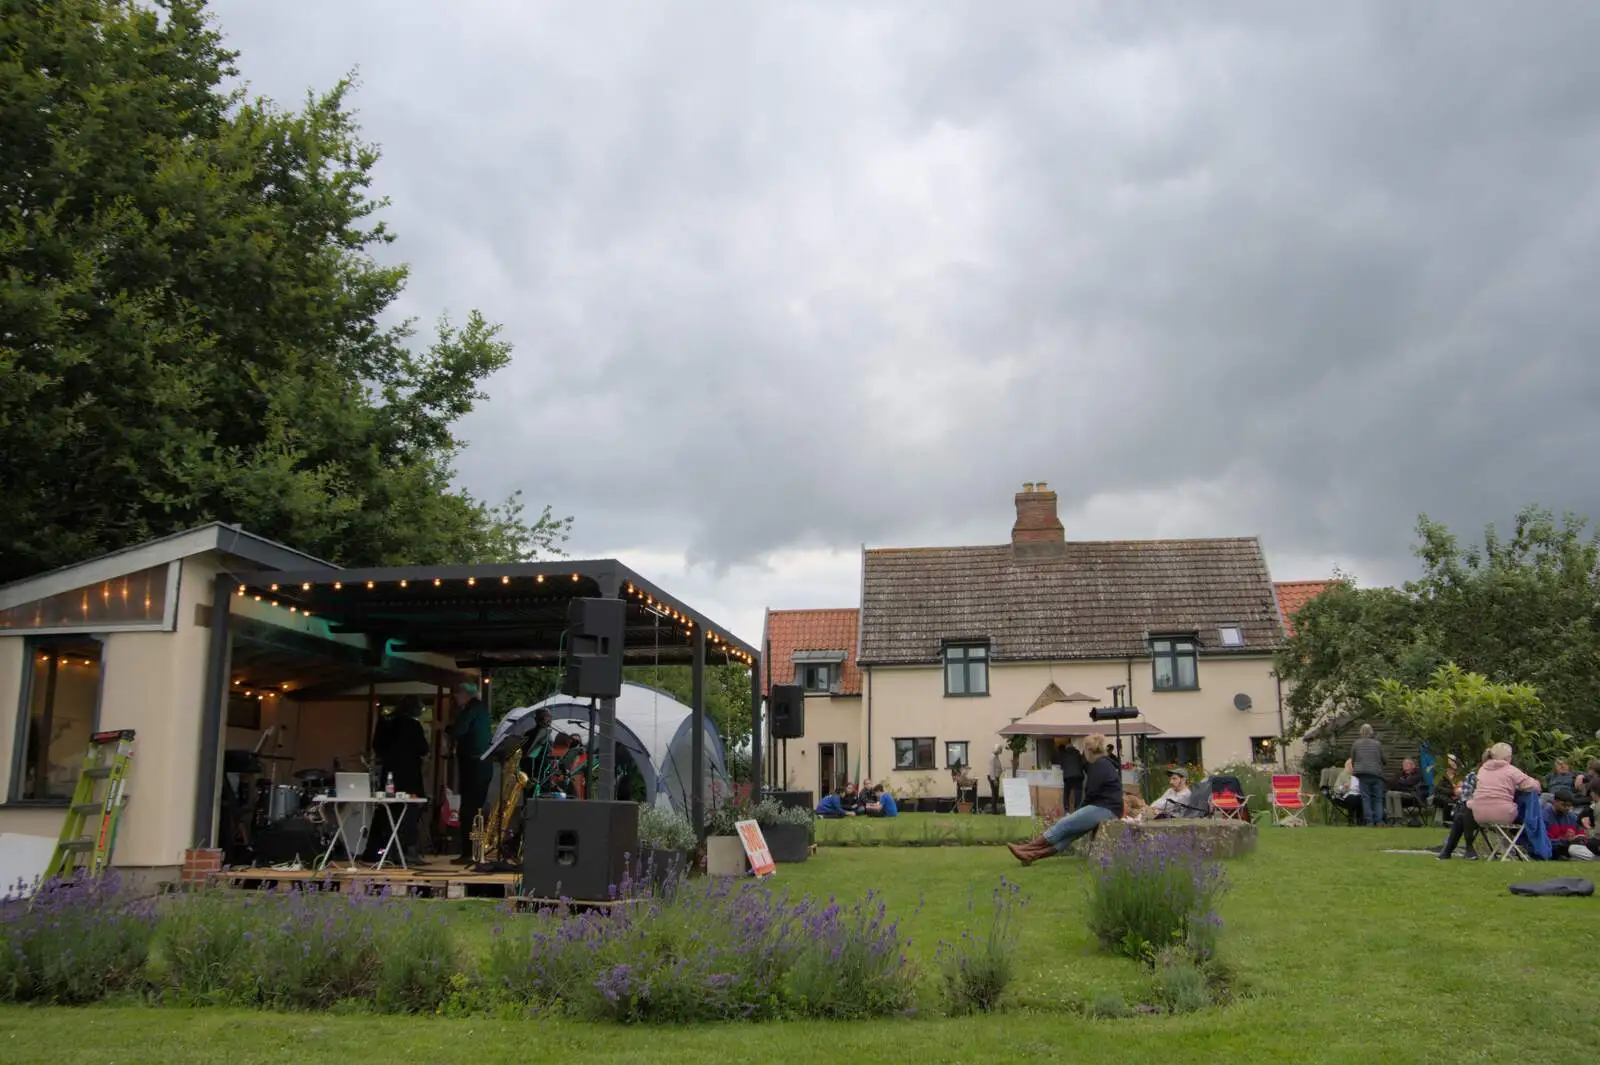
x: 1231, y: 636
x: 1264, y: 750
x: 966, y: 669
x: 914, y: 753
x: 1167, y: 751
x: 955, y: 754
x: 817, y: 676
x: 61, y: 696
x: 137, y: 599
x: 1175, y: 664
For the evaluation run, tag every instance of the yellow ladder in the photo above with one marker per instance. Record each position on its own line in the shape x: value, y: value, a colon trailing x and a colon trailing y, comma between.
x: 90, y: 832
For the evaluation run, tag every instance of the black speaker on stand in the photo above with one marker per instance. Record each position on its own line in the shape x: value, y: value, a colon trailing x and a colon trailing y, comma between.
x: 788, y: 702
x: 577, y: 850
x: 594, y: 648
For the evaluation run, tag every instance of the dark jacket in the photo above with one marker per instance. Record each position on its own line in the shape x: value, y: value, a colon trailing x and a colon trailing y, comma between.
x: 1409, y: 782
x: 470, y: 730
x: 401, y: 747
x: 1102, y: 784
x: 1366, y: 757
x: 1070, y: 761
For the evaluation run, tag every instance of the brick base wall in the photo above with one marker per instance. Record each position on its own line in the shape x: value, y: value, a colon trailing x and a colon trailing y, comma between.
x: 199, y: 864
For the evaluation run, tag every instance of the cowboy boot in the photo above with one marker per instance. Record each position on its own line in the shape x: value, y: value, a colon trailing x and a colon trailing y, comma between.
x: 1031, y: 851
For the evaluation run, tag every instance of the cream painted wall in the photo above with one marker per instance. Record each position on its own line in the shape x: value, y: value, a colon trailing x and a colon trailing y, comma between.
x: 11, y: 665
x: 909, y: 702
x: 829, y: 719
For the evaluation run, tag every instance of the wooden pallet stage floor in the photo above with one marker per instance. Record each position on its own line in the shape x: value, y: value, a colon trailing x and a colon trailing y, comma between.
x: 444, y: 880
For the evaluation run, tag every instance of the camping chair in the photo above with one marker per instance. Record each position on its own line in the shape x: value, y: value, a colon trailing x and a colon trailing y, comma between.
x: 1228, y: 800
x: 1288, y: 804
x: 1504, y: 840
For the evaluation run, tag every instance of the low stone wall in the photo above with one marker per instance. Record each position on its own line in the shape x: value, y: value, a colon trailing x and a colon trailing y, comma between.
x: 1218, y: 839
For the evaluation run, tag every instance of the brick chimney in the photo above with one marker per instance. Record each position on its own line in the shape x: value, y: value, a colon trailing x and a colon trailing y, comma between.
x: 1038, y: 533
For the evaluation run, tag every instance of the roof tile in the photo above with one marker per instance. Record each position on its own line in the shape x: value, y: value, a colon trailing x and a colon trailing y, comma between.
x: 1293, y: 595
x: 789, y: 631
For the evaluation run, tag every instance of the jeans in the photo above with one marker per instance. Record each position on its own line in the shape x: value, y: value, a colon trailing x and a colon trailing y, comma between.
x: 1371, y: 799
x: 1080, y: 822
x: 1462, y: 824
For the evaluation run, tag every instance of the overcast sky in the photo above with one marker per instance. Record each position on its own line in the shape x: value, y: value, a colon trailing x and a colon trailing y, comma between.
x: 784, y: 278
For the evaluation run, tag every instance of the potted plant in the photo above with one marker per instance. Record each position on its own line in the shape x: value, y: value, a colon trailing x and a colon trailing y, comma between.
x: 724, y: 851
x: 917, y: 792
x: 787, y: 830
x: 666, y: 841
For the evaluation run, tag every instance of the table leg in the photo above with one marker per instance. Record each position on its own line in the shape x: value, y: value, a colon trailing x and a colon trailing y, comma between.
x: 394, y: 837
x: 338, y: 837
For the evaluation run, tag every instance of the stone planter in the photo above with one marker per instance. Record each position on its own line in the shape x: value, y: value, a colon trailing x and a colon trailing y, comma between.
x: 788, y: 843
x: 725, y: 856
x: 1212, y: 838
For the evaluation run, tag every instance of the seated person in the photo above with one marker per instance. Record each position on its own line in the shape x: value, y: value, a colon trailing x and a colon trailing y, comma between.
x: 1568, y: 837
x: 1560, y: 777
x: 851, y: 799
x: 880, y: 803
x: 1175, y: 799
x: 1445, y: 786
x: 832, y: 807
x: 1409, y: 784
x: 1346, y: 791
x: 1134, y: 808
x: 1494, y: 797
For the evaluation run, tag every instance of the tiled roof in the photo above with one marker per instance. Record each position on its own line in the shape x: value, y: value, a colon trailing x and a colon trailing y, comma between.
x: 789, y: 631
x: 1097, y: 600
x: 1292, y: 595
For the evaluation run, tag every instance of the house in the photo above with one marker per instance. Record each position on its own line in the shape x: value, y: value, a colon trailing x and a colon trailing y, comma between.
x: 816, y: 649
x: 1293, y: 595
x: 958, y: 642
x: 239, y: 661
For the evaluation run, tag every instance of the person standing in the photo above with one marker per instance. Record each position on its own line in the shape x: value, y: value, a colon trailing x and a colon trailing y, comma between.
x: 470, y: 734
x: 1071, y: 762
x: 996, y: 774
x: 1366, y: 762
x: 402, y: 748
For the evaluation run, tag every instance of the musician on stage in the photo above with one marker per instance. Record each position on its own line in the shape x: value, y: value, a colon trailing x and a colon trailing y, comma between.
x: 401, y: 748
x: 470, y: 732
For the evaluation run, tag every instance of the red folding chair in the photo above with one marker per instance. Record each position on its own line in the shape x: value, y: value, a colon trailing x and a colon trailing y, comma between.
x: 1229, y: 806
x: 1289, y: 802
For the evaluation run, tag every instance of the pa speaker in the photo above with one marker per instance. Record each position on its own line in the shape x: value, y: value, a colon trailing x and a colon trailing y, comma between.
x: 577, y: 849
x: 595, y: 632
x: 788, y: 712
x: 796, y: 800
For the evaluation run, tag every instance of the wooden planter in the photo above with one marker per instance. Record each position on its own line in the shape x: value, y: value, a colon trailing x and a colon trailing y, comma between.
x: 963, y: 807
x: 788, y: 843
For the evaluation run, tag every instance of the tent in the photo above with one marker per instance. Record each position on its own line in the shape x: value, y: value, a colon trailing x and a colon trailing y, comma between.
x: 656, y: 731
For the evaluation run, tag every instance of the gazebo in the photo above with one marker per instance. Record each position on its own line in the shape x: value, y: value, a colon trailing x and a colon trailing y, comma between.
x: 480, y: 616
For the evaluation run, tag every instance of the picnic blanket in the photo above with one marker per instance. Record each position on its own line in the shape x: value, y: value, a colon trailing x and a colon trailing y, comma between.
x: 1560, y: 887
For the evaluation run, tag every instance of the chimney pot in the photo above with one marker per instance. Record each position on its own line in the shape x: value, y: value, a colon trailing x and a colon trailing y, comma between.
x: 1027, y: 486
x: 1038, y: 533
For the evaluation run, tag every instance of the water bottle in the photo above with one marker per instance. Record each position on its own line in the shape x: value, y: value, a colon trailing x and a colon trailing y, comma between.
x: 388, y: 787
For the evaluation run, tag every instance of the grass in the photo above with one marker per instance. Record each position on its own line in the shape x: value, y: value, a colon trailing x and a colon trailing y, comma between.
x: 923, y: 830
x: 1347, y: 953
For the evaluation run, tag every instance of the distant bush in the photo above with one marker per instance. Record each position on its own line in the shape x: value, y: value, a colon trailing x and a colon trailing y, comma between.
x: 73, y: 942
x: 1150, y: 891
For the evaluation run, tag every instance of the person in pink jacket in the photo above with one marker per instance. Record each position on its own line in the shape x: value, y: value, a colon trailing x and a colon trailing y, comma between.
x: 1494, y: 800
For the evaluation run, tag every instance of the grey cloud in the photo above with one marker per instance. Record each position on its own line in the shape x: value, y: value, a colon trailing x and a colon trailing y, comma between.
x: 816, y: 274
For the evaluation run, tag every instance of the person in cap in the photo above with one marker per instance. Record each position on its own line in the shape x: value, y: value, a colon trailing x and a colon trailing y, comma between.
x: 1175, y: 799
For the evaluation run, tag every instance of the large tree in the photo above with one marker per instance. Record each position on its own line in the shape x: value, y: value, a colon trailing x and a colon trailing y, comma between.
x: 193, y: 323
x: 1522, y: 609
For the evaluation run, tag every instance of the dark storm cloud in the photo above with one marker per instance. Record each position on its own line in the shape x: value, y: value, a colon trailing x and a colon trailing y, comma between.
x: 815, y: 274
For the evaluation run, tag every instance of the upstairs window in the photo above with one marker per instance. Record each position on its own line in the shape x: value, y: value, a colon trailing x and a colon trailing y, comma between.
x: 1175, y: 663
x: 966, y: 669
x: 1231, y: 636
x: 817, y: 677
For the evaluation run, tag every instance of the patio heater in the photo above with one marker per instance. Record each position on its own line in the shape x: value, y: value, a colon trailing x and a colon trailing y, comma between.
x: 1117, y: 714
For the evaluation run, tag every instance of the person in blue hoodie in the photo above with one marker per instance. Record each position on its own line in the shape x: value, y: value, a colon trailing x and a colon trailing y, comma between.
x: 880, y: 803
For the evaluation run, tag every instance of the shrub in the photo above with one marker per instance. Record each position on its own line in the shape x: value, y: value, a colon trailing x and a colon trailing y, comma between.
x: 663, y: 828
x: 1151, y: 891
x: 73, y: 941
x: 1180, y: 986
x: 1108, y: 1005
x: 727, y: 951
x: 977, y: 971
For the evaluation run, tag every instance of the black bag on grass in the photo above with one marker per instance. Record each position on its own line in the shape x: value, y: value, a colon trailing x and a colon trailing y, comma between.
x: 1560, y: 887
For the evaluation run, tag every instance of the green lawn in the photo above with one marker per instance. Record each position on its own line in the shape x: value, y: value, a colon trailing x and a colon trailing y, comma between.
x: 1351, y: 955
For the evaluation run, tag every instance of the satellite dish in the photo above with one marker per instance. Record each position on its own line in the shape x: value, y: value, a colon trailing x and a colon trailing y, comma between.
x: 1242, y: 702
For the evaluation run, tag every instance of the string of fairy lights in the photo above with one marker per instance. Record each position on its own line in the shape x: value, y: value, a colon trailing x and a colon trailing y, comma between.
x: 659, y: 607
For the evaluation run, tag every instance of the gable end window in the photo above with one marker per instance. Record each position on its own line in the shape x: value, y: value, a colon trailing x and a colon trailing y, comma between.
x: 966, y: 669
x: 817, y: 677
x: 1175, y: 664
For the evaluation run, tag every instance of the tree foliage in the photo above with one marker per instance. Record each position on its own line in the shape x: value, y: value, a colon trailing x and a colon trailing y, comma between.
x: 1462, y: 713
x: 193, y: 321
x: 1522, y: 609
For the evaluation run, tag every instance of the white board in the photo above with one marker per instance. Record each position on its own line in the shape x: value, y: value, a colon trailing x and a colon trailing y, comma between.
x: 22, y: 861
x: 1018, y: 799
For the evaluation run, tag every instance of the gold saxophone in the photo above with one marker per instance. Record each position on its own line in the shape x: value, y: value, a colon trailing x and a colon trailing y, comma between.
x: 500, y: 821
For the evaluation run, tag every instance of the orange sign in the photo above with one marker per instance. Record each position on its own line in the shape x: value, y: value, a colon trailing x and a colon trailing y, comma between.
x: 755, y: 848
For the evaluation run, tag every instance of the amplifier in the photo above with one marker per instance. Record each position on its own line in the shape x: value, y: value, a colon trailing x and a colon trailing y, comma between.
x: 578, y: 850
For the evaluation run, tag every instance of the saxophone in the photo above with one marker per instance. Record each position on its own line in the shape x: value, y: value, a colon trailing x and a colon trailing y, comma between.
x: 500, y: 821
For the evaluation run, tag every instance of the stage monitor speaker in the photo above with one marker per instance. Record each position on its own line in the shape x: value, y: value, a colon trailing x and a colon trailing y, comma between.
x: 576, y: 849
x: 595, y: 635
x: 788, y: 712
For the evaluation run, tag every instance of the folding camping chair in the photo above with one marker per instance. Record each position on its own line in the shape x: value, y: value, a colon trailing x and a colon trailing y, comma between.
x: 1288, y: 804
x: 1228, y: 800
x: 1504, y: 840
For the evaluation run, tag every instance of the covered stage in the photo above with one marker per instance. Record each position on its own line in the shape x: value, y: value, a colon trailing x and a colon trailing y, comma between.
x: 342, y: 630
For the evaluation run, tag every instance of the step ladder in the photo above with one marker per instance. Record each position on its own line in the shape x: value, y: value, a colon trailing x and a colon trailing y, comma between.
x: 90, y: 832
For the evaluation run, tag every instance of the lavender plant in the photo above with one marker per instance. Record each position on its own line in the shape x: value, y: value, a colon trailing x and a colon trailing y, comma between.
x: 1148, y: 892
x: 73, y: 941
x: 977, y: 970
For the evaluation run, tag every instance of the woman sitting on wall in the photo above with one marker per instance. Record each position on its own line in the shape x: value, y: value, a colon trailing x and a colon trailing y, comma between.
x: 1102, y: 801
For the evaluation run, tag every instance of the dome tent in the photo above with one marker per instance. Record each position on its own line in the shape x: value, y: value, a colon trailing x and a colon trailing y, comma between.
x: 658, y: 732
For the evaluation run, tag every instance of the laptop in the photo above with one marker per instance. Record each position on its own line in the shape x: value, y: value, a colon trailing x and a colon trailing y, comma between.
x: 352, y: 785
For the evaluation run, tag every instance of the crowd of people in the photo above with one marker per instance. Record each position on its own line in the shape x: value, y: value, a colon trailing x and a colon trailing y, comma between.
x: 869, y: 800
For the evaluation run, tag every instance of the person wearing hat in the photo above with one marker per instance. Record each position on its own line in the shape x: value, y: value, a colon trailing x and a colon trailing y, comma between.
x: 1445, y: 787
x: 1175, y: 799
x: 1568, y: 838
